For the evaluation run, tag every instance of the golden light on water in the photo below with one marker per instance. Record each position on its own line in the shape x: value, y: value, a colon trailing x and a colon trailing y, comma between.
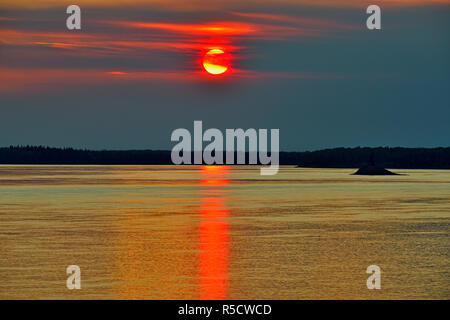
x: 217, y: 232
x: 214, y: 234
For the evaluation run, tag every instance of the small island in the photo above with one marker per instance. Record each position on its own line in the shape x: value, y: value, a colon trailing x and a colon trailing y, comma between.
x: 372, y: 170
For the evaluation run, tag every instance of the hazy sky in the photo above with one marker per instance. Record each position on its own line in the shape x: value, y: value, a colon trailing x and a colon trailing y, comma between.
x: 312, y: 69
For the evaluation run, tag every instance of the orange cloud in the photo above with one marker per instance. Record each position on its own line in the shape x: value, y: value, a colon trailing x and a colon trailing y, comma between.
x: 220, y: 28
x: 24, y: 37
x: 100, y: 44
x: 14, y: 80
x: 300, y: 21
x: 194, y: 36
x: 187, y: 38
x: 38, y: 80
x: 226, y: 29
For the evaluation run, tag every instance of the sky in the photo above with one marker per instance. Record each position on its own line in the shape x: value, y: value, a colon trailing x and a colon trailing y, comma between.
x: 312, y: 69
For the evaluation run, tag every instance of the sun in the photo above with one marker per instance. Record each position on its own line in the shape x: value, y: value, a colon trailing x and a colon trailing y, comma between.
x: 215, y: 62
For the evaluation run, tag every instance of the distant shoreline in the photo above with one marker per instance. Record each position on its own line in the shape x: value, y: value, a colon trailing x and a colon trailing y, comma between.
x: 349, y: 158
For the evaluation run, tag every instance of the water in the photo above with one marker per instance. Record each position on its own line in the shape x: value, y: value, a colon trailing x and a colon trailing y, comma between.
x: 166, y: 232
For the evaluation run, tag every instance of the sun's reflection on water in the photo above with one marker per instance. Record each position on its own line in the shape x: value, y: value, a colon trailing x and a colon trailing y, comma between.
x: 214, y: 233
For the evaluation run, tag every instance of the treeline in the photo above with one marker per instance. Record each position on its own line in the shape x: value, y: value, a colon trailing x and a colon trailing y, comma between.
x: 47, y: 155
x: 395, y: 158
x: 400, y: 158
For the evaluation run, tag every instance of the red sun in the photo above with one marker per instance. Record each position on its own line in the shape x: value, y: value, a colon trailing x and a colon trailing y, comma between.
x: 216, y: 62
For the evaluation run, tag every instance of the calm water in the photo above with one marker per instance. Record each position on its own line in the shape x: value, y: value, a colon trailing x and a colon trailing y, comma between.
x: 164, y: 232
